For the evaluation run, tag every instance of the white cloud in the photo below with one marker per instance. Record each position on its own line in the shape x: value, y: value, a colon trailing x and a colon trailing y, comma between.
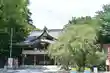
x: 56, y: 13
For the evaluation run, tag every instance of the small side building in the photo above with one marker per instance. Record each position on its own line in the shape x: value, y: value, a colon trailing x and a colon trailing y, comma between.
x: 34, y: 48
x: 107, y: 50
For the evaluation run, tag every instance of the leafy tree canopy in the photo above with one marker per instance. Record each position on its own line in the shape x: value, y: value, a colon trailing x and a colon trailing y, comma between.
x: 77, y: 47
x: 104, y: 31
x: 14, y: 14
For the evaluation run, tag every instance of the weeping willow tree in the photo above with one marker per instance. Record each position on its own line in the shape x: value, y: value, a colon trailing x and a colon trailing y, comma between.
x: 77, y: 47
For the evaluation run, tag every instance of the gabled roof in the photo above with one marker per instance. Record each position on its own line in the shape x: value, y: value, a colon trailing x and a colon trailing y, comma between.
x: 50, y: 32
x: 36, y: 36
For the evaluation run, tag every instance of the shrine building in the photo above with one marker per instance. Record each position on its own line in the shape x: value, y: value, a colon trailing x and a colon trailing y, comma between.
x: 34, y: 48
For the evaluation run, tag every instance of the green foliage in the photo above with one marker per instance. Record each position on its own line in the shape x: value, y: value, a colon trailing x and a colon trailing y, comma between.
x: 104, y: 31
x: 77, y: 47
x: 78, y: 44
x: 92, y: 21
x: 13, y: 14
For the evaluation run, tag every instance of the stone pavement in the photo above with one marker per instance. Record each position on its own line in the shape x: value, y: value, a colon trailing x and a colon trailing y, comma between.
x: 27, y: 71
x: 37, y: 69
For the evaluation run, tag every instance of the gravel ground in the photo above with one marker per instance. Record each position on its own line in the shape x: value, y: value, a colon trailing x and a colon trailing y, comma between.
x: 26, y: 71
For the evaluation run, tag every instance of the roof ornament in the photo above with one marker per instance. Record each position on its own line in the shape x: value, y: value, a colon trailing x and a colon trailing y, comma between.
x: 45, y: 28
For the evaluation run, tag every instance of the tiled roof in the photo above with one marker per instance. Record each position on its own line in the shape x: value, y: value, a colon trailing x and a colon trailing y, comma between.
x: 52, y: 32
x: 33, y: 37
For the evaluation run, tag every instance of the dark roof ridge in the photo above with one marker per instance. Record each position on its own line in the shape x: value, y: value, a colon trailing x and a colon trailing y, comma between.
x: 48, y: 30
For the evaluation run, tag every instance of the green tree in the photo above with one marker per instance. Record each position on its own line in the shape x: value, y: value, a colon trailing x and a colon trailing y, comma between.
x: 104, y: 31
x: 77, y: 47
x: 83, y: 20
x: 13, y: 14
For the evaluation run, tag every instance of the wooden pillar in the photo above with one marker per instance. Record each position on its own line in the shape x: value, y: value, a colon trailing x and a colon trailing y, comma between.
x: 23, y: 58
x: 34, y: 59
x: 54, y: 61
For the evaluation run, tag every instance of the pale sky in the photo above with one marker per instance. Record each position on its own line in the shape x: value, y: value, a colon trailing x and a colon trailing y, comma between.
x: 54, y: 14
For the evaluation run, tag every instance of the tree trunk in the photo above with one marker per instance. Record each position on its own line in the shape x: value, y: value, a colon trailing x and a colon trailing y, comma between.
x: 79, y: 68
x: 101, y: 46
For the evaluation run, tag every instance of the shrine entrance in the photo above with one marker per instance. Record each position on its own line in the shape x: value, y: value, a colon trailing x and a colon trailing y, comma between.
x: 32, y: 59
